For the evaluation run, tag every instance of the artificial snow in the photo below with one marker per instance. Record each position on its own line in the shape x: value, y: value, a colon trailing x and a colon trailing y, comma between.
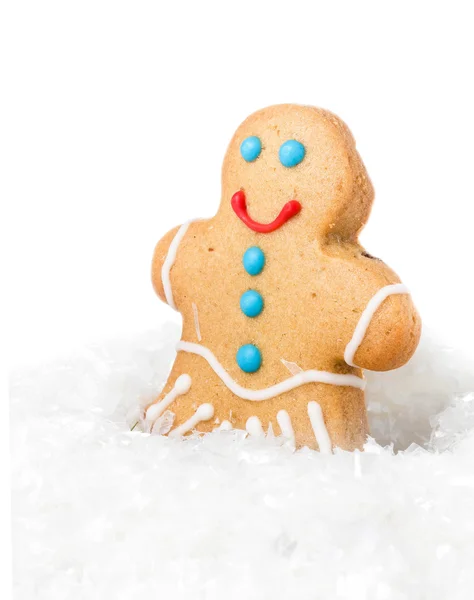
x: 102, y: 512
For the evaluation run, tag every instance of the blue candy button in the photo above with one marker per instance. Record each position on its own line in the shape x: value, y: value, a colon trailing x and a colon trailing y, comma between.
x: 291, y: 153
x: 249, y: 358
x: 251, y: 303
x: 253, y: 260
x: 250, y: 148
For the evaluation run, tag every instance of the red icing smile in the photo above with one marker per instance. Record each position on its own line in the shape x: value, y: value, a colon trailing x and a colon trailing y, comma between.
x: 239, y: 205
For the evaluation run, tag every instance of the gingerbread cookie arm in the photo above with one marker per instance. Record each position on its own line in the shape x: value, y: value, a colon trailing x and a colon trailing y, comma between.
x: 163, y: 256
x: 387, y: 333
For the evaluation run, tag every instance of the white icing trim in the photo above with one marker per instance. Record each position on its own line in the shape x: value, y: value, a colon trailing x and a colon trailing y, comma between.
x: 196, y: 321
x: 367, y: 316
x: 270, y: 432
x: 320, y: 432
x: 292, y: 367
x: 169, y: 262
x: 284, y: 421
x: 286, y: 385
x: 163, y: 424
x: 203, y: 413
x: 225, y: 426
x: 254, y: 427
x: 181, y: 386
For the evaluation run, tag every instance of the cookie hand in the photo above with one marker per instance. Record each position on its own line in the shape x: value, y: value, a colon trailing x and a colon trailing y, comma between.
x: 391, y: 337
x: 159, y: 257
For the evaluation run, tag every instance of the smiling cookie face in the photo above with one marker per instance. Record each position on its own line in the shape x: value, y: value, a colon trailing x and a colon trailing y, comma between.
x: 290, y: 161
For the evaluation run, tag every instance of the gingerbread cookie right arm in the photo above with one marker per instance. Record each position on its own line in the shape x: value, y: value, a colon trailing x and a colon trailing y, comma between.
x: 160, y: 255
x: 387, y: 333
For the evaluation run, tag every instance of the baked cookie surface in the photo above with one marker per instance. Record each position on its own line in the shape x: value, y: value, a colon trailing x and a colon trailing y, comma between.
x: 282, y: 308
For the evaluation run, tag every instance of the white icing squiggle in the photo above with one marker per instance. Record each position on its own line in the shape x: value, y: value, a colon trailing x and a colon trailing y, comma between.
x: 254, y: 427
x: 203, y: 413
x: 311, y: 376
x: 367, y: 316
x: 181, y: 386
x: 284, y: 421
x: 169, y: 262
x: 320, y: 432
x: 196, y: 321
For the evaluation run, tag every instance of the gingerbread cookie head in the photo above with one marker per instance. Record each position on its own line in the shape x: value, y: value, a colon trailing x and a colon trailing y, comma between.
x: 290, y: 160
x: 282, y: 308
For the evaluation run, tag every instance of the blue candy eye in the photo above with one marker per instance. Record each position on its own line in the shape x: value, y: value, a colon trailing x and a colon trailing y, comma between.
x: 250, y: 148
x: 291, y: 153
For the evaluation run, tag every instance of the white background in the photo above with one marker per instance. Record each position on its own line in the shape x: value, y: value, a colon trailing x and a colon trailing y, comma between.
x: 118, y: 116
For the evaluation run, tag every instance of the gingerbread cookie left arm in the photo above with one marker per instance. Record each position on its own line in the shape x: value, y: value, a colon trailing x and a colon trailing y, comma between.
x: 160, y: 256
x: 387, y: 333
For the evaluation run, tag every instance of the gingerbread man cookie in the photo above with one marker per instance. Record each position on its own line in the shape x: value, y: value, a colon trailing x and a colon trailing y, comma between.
x: 282, y: 308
